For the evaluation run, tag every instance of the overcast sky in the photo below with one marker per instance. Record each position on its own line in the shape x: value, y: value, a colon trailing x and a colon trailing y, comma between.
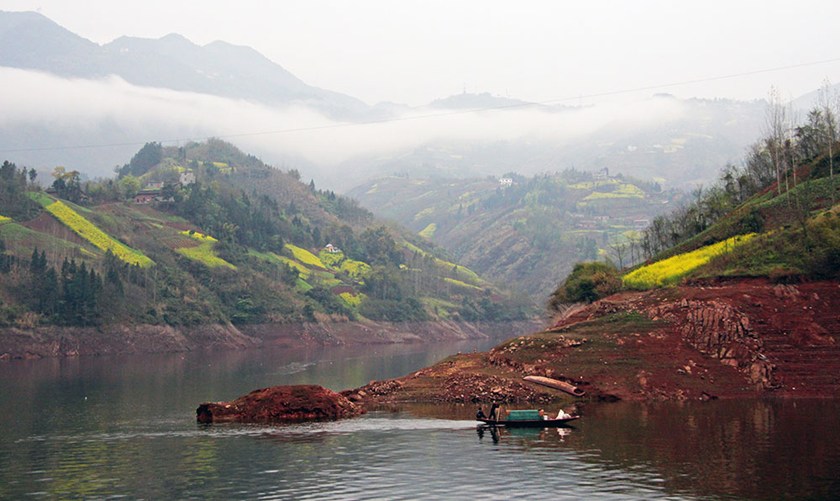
x: 415, y: 51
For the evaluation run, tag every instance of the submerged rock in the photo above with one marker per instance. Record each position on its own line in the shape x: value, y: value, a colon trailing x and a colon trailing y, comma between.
x: 280, y: 404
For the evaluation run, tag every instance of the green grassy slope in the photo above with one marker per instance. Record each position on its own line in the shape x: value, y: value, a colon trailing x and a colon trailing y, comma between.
x: 792, y: 233
x: 243, y: 243
x: 527, y: 234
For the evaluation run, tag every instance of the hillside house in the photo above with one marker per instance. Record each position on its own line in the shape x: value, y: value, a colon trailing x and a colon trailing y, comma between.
x: 186, y: 178
x: 586, y: 224
x: 147, y: 196
x: 505, y: 182
x: 331, y: 249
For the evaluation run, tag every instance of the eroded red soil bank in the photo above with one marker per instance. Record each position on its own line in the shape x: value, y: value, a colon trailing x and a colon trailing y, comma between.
x: 744, y: 338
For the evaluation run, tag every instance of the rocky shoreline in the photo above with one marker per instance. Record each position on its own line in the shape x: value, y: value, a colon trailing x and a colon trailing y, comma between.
x: 736, y: 339
x: 723, y: 339
x: 727, y: 339
x: 56, y: 341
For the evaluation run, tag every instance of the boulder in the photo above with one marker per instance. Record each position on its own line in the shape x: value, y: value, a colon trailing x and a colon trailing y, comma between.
x: 280, y: 404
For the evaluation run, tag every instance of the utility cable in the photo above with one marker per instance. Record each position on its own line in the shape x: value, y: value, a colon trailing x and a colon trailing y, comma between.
x: 447, y: 113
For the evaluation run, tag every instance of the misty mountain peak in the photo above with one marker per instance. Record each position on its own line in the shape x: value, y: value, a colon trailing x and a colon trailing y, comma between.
x: 175, y: 38
x: 171, y: 45
x: 14, y: 20
x: 29, y: 40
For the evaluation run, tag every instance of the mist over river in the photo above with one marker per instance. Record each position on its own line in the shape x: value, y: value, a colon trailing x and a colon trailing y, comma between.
x: 101, y: 427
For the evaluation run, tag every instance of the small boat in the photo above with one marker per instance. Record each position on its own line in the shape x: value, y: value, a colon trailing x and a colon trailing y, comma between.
x: 528, y: 419
x: 529, y: 423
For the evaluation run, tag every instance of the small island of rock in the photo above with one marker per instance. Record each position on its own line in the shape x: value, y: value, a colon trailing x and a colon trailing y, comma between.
x: 280, y: 404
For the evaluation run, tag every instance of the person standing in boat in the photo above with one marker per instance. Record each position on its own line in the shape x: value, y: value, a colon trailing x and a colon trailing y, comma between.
x: 494, y: 412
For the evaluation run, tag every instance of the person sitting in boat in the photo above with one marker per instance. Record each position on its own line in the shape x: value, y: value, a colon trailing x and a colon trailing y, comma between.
x: 542, y: 415
x: 494, y: 412
x: 480, y: 414
x: 562, y: 415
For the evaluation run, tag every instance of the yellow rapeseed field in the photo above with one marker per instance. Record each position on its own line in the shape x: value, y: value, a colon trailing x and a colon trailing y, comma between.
x: 94, y: 235
x: 352, y: 300
x: 356, y: 269
x: 305, y: 257
x: 459, y: 283
x: 201, y: 237
x: 670, y: 270
x: 205, y: 254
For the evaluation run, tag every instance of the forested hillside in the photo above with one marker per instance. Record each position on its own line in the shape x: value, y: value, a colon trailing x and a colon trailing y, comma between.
x: 774, y: 216
x: 205, y: 234
x: 738, y: 291
x: 523, y: 231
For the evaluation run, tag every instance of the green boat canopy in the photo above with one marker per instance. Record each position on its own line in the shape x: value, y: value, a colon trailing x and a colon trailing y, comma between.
x: 524, y: 415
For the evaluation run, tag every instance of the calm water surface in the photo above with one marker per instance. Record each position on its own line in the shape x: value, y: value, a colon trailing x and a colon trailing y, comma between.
x: 125, y: 427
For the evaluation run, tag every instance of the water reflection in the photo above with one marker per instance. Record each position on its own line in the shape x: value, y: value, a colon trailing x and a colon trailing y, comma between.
x: 541, y: 435
x: 753, y: 449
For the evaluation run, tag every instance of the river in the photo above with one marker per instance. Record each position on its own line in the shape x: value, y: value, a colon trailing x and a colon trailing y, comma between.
x: 107, y: 427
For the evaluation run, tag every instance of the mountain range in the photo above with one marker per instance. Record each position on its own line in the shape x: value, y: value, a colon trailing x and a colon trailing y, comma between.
x: 31, y: 41
x: 256, y: 103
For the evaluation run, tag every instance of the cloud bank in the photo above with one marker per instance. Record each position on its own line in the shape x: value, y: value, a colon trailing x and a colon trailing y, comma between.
x: 83, y: 109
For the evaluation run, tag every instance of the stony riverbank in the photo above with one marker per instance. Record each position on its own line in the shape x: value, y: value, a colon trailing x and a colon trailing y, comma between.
x: 56, y: 341
x: 729, y: 339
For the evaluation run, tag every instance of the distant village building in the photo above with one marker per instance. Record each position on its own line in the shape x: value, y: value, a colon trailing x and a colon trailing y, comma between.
x: 153, y: 192
x: 331, y: 249
x: 602, y: 174
x: 147, y: 195
x: 505, y: 182
x: 186, y: 178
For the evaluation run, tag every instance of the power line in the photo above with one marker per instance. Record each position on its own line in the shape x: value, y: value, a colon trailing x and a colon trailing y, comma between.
x: 439, y: 114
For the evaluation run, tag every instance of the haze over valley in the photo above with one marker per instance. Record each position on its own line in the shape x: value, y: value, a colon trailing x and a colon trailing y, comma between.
x: 88, y: 106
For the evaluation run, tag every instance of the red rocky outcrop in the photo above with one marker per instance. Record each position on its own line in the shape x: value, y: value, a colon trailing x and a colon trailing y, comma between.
x: 280, y: 404
x: 717, y: 329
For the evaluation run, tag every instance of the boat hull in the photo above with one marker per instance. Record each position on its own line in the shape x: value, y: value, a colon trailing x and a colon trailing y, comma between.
x: 535, y: 423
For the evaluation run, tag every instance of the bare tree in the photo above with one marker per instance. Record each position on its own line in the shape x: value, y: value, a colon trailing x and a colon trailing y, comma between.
x: 828, y: 101
x: 619, y: 250
x: 775, y: 132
